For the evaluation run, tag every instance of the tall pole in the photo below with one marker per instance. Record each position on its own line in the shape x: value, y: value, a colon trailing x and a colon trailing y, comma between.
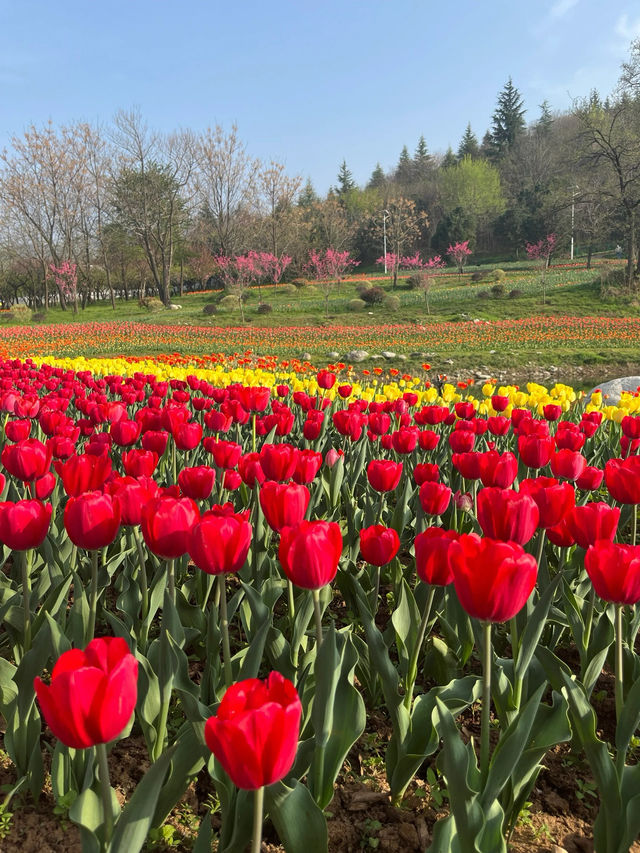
x: 384, y: 239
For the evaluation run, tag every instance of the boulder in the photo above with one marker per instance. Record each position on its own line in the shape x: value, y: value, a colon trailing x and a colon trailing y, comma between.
x: 612, y: 390
x: 356, y: 355
x: 388, y: 354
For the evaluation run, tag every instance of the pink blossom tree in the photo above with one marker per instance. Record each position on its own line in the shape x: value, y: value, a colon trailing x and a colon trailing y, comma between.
x: 270, y: 267
x: 237, y: 273
x: 459, y: 253
x: 541, y: 252
x: 66, y: 279
x: 329, y: 267
x: 435, y: 263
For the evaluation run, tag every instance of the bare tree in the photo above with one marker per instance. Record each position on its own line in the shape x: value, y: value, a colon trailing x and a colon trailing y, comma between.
x: 277, y: 194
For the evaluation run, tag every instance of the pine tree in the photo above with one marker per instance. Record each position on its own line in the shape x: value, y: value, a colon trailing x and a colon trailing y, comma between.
x: 469, y: 146
x: 543, y: 125
x: 378, y: 178
x: 308, y: 195
x: 345, y: 180
x: 449, y: 159
x: 421, y: 160
x: 404, y: 169
x: 508, y: 119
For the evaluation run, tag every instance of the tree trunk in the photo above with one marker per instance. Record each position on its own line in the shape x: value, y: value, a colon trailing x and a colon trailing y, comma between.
x: 589, y: 253
x: 181, y: 277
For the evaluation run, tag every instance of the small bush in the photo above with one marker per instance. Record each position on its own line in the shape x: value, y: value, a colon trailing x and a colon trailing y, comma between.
x: 478, y: 276
x: 483, y: 294
x: 152, y: 303
x: 362, y: 287
x: 374, y: 296
x: 228, y: 302
x: 515, y: 293
x: 264, y: 308
x: 366, y: 283
x: 209, y: 309
x: 498, y: 290
x: 287, y: 289
x: 39, y: 317
x: 300, y: 283
x: 391, y: 303
x: 498, y: 275
x: 20, y: 313
x: 357, y: 305
x: 416, y: 281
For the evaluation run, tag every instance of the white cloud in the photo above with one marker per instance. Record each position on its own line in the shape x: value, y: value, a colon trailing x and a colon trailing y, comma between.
x: 561, y: 7
x: 627, y: 28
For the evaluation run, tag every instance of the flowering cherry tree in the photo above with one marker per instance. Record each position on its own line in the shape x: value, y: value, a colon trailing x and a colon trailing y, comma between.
x: 541, y: 252
x: 459, y: 252
x: 328, y: 267
x: 66, y: 279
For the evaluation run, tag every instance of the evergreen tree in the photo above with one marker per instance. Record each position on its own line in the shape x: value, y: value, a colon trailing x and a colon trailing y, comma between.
x: 378, y: 178
x: 404, y: 169
x: 468, y: 144
x: 421, y: 160
x: 545, y: 121
x: 449, y: 159
x: 308, y: 196
x: 345, y: 180
x: 508, y: 119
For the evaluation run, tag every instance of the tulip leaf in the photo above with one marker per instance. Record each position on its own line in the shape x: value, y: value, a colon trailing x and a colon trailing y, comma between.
x: 87, y: 812
x: 136, y: 819
x: 299, y: 822
x: 534, y: 627
x: 405, y: 620
x: 205, y: 836
x: 251, y: 656
x: 629, y: 718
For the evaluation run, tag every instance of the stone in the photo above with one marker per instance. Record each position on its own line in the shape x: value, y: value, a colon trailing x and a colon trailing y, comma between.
x: 332, y: 355
x: 305, y: 356
x: 175, y: 307
x: 388, y: 354
x: 356, y: 355
x: 401, y: 357
x: 612, y: 390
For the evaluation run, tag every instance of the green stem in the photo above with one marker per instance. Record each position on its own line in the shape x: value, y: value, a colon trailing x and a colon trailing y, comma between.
x: 174, y: 460
x: 380, y: 508
x: 318, y: 616
x: 541, y: 538
x: 586, y: 636
x: 486, y: 704
x: 105, y: 792
x: 224, y: 626
x: 253, y: 432
x: 635, y: 523
x: 93, y: 597
x: 515, y: 651
x: 142, y: 564
x: 171, y: 581
x: 619, y: 685
x: 258, y: 806
x: 412, y: 672
x: 292, y: 603
x: 25, y: 559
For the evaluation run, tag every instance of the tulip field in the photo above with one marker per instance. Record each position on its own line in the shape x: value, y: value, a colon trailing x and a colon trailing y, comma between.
x: 271, y: 586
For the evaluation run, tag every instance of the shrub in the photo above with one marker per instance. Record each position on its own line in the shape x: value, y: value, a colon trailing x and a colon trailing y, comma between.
x: 478, y: 276
x: 152, y: 303
x: 357, y: 305
x: 515, y: 293
x: 416, y: 281
x: 365, y: 283
x: 20, y: 313
x: 209, y: 309
x: 483, y: 294
x: 498, y: 275
x: 228, y: 302
x: 300, y: 283
x: 264, y: 308
x: 498, y: 290
x: 374, y: 296
x: 391, y: 303
x: 287, y: 289
x: 39, y: 316
x: 362, y: 287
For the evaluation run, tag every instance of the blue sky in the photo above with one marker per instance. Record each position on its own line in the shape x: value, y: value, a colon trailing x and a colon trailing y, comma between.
x: 307, y: 83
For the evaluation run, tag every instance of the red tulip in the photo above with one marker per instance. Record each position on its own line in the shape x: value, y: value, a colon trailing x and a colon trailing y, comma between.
x: 231, y: 480
x: 219, y: 544
x: 469, y: 464
x: 166, y: 525
x: 462, y: 441
x: 498, y: 425
x: 499, y: 402
x: 384, y: 474
x: 27, y: 460
x: 125, y: 433
x: 428, y: 439
x: 139, y: 463
x: 552, y: 412
x: 278, y: 461
x: 379, y: 544
x: 554, y: 500
x: 92, y: 693
x: 560, y: 535
x: 155, y: 440
x: 309, y: 553
x: 426, y: 472
x: 132, y: 495
x: 622, y: 478
x: 433, y: 563
x: 225, y: 453
x: 507, y: 515
x: 17, y: 430
x: 197, y: 482
x: 535, y: 451
x: 590, y: 479
x: 187, y: 435
x: 614, y: 571
x: 250, y: 469
x: 283, y: 505
x: 593, y: 521
x: 434, y: 497
x: 83, y: 473
x: 405, y: 440
x: 254, y: 733
x: 568, y: 464
x: 308, y: 464
x: 325, y: 379
x: 92, y: 520
x: 498, y: 469
x: 493, y: 579
x: 44, y: 486
x: 24, y: 524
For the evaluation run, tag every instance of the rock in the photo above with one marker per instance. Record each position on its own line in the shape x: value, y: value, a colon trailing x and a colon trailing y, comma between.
x: 612, y: 390
x: 448, y: 361
x: 401, y: 357
x: 332, y: 355
x: 175, y: 307
x: 376, y: 358
x: 305, y: 356
x: 388, y: 354
x: 356, y: 355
